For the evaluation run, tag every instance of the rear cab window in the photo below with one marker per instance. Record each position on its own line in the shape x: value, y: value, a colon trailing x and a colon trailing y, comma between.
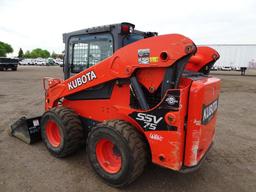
x: 132, y: 38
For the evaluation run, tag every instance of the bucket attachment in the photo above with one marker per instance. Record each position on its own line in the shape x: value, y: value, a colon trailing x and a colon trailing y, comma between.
x: 27, y: 130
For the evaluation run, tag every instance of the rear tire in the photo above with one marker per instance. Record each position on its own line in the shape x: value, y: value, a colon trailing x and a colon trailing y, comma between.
x: 14, y: 69
x: 61, y: 131
x: 127, y: 159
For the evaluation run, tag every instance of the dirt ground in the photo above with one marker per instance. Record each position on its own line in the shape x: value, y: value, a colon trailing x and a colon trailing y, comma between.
x: 230, y: 165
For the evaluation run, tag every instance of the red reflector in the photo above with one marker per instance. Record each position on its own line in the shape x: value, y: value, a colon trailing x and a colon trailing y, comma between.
x: 125, y: 28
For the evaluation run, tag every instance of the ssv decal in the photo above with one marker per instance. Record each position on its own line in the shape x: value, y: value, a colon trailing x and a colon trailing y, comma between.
x: 150, y: 121
x: 153, y: 120
x: 82, y: 80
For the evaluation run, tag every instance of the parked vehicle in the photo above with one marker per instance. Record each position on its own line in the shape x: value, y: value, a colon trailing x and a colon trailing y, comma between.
x: 50, y: 61
x: 23, y: 62
x: 30, y: 61
x: 8, y: 63
x: 40, y: 61
x: 236, y: 68
x: 226, y: 68
x: 26, y: 62
x: 58, y: 61
x: 214, y: 68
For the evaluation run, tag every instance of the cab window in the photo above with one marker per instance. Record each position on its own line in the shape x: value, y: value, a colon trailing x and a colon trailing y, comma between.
x: 132, y: 38
x: 80, y: 57
x: 88, y: 50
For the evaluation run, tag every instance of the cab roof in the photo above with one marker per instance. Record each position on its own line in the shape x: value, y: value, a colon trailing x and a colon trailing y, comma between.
x: 98, y: 29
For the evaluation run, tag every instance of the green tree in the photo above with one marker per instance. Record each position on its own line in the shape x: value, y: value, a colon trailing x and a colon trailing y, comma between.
x: 27, y: 54
x: 39, y: 53
x: 2, y: 51
x: 21, y: 54
x: 54, y: 55
x: 45, y: 54
x: 5, y: 48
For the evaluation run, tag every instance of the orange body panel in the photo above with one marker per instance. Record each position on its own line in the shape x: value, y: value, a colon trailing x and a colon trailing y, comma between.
x: 167, y: 146
x: 117, y: 107
x: 199, y: 135
x: 151, y: 78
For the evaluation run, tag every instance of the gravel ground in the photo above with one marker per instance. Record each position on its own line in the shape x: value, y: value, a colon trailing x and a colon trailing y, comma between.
x: 230, y: 165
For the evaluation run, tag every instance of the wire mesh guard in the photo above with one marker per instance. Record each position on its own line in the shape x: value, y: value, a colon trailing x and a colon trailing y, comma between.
x: 88, y: 54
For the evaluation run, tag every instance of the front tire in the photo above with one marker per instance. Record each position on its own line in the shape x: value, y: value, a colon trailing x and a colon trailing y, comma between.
x: 61, y: 131
x: 117, y: 152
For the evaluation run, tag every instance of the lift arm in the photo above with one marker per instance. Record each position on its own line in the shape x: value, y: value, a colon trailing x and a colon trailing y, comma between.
x: 203, y: 60
x: 160, y: 51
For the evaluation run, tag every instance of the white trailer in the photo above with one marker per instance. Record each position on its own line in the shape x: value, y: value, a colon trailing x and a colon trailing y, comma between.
x: 235, y: 56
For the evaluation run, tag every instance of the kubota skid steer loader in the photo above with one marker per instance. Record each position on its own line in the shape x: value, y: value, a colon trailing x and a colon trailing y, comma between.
x: 134, y: 97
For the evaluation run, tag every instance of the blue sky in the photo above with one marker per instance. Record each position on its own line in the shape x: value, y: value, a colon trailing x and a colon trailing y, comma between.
x: 31, y: 24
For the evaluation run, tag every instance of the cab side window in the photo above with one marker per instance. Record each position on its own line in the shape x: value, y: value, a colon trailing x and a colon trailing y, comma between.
x: 89, y: 50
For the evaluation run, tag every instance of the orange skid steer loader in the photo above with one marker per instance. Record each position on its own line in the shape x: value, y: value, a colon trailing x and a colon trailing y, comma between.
x: 133, y: 97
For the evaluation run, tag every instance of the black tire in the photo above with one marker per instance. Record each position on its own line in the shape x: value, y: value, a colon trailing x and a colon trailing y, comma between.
x: 132, y: 147
x: 70, y: 127
x: 14, y: 69
x: 1, y: 69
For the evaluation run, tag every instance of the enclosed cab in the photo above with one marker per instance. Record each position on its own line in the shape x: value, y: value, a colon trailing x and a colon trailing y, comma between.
x: 85, y: 48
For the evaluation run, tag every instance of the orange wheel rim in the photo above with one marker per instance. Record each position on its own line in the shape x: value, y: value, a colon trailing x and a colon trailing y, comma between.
x: 53, y: 133
x: 108, y: 156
